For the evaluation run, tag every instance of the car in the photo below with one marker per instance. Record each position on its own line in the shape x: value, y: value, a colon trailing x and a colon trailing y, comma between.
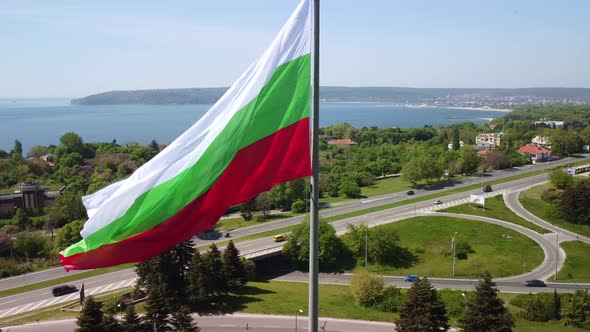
x: 411, y: 278
x: 279, y: 238
x: 487, y: 189
x: 63, y: 290
x: 410, y: 192
x: 437, y: 202
x: 535, y: 283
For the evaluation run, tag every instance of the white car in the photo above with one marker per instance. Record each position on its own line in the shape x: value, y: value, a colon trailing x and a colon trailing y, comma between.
x: 438, y: 201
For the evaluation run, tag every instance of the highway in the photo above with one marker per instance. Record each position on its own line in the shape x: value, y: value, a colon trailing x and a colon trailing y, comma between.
x: 20, y: 303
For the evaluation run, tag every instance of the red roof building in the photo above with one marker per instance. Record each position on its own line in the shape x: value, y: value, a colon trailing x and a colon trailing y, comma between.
x: 342, y: 142
x: 484, y: 152
x: 537, y: 153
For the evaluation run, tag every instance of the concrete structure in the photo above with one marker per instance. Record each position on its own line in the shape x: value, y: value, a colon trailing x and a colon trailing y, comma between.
x: 551, y: 124
x: 461, y: 144
x: 28, y: 196
x: 537, y: 153
x: 489, y: 140
x: 342, y: 142
x: 541, y: 140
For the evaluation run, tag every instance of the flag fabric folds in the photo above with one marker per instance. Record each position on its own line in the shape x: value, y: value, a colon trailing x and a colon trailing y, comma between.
x: 254, y: 137
x: 477, y: 199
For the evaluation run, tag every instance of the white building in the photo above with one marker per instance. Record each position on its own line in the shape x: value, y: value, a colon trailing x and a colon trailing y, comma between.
x: 489, y: 140
x: 541, y: 140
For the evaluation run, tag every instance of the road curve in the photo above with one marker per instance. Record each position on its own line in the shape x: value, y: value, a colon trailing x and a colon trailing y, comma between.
x: 513, y: 204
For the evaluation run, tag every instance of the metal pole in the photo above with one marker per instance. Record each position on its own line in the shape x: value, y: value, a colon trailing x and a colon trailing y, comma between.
x: 314, y: 213
x: 453, y: 245
x: 295, y: 321
x: 556, y: 252
x: 366, y: 248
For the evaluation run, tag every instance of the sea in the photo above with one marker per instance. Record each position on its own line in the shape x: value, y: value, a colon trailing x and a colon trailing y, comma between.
x: 44, y: 121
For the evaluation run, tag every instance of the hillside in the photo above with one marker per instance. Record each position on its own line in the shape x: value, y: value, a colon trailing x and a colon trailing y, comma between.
x: 351, y: 94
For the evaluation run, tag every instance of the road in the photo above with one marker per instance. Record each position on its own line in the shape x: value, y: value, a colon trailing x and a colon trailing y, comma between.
x: 238, y: 322
x: 15, y: 304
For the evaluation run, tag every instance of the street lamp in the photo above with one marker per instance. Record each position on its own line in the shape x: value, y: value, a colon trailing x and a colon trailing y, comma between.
x: 300, y: 311
x: 453, y: 249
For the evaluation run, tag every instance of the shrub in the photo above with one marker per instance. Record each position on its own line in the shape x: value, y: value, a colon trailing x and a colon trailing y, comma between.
x: 391, y: 300
x: 367, y: 288
x: 298, y: 206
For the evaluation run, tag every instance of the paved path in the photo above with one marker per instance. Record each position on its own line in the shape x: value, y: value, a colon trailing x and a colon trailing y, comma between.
x: 238, y: 322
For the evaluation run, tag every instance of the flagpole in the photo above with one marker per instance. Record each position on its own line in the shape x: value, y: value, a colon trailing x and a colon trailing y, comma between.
x: 315, y: 196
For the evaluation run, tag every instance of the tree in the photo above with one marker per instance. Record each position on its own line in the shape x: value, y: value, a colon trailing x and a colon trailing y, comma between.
x: 297, y: 246
x: 412, y: 172
x: 18, y: 149
x: 556, y: 306
x: 131, y: 322
x: 485, y: 311
x: 67, y: 208
x: 423, y: 310
x: 182, y: 321
x: 216, y: 283
x: 73, y: 142
x: 247, y: 208
x: 110, y: 323
x: 367, y: 288
x: 456, y: 139
x: 537, y: 310
x: 577, y: 311
x: 469, y: 160
x: 21, y: 219
x: 263, y: 203
x: 349, y: 188
x: 157, y: 309
x: 90, y: 319
x: 561, y: 180
x: 154, y: 145
x: 298, y: 206
x: 233, y: 269
x: 30, y: 245
x: 462, y: 249
x: 68, y: 235
x: 38, y: 151
x: 197, y: 280
x: 573, y: 205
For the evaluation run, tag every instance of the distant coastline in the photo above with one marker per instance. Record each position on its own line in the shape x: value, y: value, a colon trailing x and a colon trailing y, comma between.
x: 484, y: 109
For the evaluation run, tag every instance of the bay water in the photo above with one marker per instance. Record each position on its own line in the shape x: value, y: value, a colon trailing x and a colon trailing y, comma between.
x: 44, y: 121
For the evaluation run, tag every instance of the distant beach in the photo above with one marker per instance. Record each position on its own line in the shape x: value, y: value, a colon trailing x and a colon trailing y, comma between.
x: 483, y: 109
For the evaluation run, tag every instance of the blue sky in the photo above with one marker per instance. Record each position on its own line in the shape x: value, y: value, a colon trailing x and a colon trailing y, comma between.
x: 75, y: 48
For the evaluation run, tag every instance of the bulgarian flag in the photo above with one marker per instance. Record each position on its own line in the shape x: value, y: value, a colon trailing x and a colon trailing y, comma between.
x: 254, y: 137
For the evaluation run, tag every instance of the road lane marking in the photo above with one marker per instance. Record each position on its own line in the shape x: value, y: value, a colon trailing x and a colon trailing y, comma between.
x: 6, y: 313
x: 107, y: 288
x: 38, y: 305
x: 96, y: 290
x: 22, y: 309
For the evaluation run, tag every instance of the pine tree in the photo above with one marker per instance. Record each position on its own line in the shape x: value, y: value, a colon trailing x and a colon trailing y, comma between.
x: 131, y: 322
x: 556, y: 306
x: 233, y: 269
x: 485, y: 311
x: 182, y: 321
x: 154, y: 145
x: 577, y: 311
x: 423, y: 310
x: 110, y: 323
x: 215, y: 282
x: 456, y: 139
x: 157, y: 309
x: 90, y: 319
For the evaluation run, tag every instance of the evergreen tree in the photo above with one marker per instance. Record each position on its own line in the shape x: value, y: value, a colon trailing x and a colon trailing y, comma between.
x: 233, y: 269
x: 18, y: 149
x: 213, y: 265
x: 90, y: 319
x: 157, y: 309
x: 154, y: 145
x: 456, y: 139
x: 197, y: 279
x: 556, y: 306
x: 485, y: 311
x: 110, y: 323
x: 577, y: 311
x: 423, y: 310
x: 131, y: 322
x: 182, y: 321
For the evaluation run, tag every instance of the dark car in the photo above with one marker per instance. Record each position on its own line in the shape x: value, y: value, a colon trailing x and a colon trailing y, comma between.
x: 487, y: 189
x: 410, y: 192
x: 63, y: 290
x: 535, y: 283
x: 411, y: 278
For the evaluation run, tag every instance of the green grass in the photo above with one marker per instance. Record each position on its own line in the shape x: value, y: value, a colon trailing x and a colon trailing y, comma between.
x: 239, y: 222
x: 286, y: 298
x: 61, y: 280
x: 499, y: 250
x: 531, y: 200
x: 577, y: 263
x: 54, y: 313
x: 495, y: 208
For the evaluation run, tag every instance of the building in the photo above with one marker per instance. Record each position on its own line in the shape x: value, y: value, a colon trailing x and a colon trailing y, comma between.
x: 541, y: 140
x: 537, y: 153
x: 461, y: 144
x: 488, y: 140
x: 28, y: 196
x: 551, y: 124
x: 346, y: 141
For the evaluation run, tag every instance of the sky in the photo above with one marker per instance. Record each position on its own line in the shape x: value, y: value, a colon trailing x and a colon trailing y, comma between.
x: 63, y: 48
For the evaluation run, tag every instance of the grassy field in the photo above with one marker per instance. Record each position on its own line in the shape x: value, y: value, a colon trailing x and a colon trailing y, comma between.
x: 577, y: 263
x: 495, y: 208
x: 498, y: 250
x: 285, y: 298
x: 57, y: 281
x: 239, y: 222
x: 532, y: 201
